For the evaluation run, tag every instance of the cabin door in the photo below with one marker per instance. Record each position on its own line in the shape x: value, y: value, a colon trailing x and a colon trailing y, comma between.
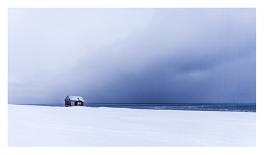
x: 72, y: 103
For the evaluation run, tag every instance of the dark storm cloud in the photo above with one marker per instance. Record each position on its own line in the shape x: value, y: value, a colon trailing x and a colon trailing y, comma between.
x: 133, y: 55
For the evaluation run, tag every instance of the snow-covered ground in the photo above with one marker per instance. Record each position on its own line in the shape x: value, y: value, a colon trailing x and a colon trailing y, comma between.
x: 86, y: 126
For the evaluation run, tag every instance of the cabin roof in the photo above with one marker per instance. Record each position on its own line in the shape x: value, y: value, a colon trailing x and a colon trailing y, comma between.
x: 76, y: 98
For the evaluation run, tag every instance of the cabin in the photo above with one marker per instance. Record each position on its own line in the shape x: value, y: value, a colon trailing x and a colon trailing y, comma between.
x: 74, y: 101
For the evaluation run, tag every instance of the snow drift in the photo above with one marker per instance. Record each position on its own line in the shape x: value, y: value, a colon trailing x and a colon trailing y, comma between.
x: 86, y: 126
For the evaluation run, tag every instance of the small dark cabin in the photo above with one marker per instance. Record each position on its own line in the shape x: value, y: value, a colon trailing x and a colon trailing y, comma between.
x: 74, y: 101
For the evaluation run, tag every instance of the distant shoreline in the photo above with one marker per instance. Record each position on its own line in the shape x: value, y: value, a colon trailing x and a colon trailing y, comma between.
x: 232, y: 107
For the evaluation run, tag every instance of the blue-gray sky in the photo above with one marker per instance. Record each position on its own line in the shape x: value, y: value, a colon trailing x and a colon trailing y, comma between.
x: 132, y: 55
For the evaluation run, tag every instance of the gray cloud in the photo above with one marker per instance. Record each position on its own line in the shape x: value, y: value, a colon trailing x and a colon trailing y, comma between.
x: 132, y: 55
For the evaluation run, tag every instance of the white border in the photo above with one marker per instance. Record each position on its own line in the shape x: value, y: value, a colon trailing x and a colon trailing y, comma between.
x: 130, y: 3
x: 4, y: 5
x: 3, y: 76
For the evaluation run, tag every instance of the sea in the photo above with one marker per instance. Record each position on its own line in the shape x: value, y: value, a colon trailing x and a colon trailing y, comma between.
x: 234, y: 107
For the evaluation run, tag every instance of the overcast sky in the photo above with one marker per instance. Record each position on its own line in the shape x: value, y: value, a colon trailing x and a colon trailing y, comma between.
x: 132, y: 55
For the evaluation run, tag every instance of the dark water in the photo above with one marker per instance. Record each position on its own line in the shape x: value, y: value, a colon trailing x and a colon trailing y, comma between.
x: 186, y: 106
x: 235, y: 107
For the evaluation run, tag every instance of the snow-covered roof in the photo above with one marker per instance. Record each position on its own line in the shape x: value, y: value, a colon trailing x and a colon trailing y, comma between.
x: 76, y: 98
